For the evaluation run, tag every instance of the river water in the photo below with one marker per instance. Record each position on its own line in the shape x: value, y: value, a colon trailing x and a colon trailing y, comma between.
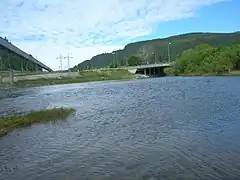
x: 162, y: 128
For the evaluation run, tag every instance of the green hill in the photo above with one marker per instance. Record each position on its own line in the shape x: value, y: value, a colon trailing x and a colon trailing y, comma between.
x: 146, y: 49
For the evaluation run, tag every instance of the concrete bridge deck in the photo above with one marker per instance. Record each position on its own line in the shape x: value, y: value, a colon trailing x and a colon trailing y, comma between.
x: 149, y: 69
x: 8, y: 45
x: 149, y: 66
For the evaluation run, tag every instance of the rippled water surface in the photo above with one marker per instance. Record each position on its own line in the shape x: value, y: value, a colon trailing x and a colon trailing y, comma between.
x: 163, y: 128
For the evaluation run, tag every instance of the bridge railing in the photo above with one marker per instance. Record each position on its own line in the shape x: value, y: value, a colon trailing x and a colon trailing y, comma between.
x: 148, y: 66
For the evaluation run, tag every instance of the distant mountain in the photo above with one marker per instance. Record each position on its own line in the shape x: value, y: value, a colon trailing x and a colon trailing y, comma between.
x: 146, y: 49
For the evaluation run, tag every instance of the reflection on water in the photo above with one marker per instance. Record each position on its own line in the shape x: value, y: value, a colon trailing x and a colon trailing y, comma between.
x: 164, y: 128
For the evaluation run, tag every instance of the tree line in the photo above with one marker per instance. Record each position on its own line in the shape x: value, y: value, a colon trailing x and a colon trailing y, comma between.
x: 204, y: 59
x: 145, y: 49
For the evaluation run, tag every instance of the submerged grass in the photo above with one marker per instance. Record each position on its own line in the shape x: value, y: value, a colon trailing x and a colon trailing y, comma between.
x: 8, y: 124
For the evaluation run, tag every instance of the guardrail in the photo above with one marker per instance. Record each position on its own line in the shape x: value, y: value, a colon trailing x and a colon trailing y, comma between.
x: 148, y: 66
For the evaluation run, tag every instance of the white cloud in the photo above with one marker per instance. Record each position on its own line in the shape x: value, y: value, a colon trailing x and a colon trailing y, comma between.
x: 85, y: 28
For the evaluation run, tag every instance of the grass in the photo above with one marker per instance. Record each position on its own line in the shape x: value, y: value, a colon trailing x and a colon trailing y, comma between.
x: 8, y: 124
x: 232, y: 73
x: 235, y: 73
x: 84, y: 76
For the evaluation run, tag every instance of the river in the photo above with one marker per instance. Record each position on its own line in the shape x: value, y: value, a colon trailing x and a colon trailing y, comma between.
x: 161, y: 128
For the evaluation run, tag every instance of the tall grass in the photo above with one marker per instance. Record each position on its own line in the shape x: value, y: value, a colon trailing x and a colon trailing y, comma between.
x: 8, y: 124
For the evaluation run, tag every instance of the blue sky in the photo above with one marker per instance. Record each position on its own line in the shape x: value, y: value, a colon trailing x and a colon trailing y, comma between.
x: 47, y: 29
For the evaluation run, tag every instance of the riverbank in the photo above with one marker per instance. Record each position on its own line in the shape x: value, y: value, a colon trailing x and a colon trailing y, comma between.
x: 232, y: 73
x: 8, y: 124
x: 84, y: 76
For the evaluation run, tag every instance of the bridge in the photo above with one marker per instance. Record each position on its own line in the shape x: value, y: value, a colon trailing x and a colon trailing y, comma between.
x: 149, y: 69
x: 11, y: 57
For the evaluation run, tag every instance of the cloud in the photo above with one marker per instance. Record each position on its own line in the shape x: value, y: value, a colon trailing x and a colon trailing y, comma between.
x: 85, y: 28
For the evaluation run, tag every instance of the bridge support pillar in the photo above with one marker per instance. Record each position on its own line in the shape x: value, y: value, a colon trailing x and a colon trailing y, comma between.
x: 11, y: 77
x: 158, y: 71
x: 145, y: 72
x: 150, y: 71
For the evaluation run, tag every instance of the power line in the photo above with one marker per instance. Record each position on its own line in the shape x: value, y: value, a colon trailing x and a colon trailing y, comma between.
x: 60, y: 58
x: 68, y: 58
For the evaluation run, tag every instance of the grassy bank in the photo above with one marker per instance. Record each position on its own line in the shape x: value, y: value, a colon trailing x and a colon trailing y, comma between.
x: 84, y: 76
x: 232, y: 73
x: 8, y: 124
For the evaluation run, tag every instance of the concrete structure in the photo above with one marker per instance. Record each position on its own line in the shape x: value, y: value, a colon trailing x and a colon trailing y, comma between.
x: 11, y: 78
x: 145, y: 66
x: 149, y: 69
x: 142, y: 70
x: 7, y: 47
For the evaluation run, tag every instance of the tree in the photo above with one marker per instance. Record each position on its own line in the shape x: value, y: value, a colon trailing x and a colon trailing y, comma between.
x: 207, y: 59
x: 134, y: 61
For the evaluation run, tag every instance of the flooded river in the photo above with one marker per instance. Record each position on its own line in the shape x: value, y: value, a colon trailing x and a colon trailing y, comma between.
x: 161, y: 128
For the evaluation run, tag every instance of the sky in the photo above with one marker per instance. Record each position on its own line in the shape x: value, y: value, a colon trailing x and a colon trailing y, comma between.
x: 50, y: 28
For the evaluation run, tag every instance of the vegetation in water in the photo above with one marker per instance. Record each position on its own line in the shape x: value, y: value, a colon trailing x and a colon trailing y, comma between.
x: 8, y: 124
x: 84, y: 76
x: 207, y: 60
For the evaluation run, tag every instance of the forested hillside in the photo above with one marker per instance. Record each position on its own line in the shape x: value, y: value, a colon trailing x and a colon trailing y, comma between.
x: 157, y: 49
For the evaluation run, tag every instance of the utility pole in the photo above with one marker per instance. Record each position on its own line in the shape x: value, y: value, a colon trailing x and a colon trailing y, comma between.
x: 154, y: 55
x: 126, y: 61
x: 60, y: 58
x: 11, y: 75
x: 141, y: 56
x: 9, y: 61
x: 36, y: 67
x: 1, y: 70
x: 26, y: 67
x: 169, y: 58
x: 68, y: 58
x: 22, y: 66
x: 1, y: 63
x: 1, y: 59
x: 114, y: 59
